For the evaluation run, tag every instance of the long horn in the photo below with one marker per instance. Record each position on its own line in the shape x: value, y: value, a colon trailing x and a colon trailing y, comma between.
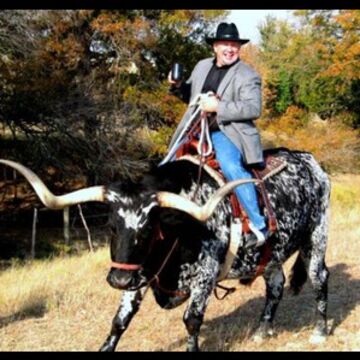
x: 94, y: 193
x: 175, y: 201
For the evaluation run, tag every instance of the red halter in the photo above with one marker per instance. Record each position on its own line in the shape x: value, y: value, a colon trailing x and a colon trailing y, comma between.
x: 134, y: 267
x: 124, y: 266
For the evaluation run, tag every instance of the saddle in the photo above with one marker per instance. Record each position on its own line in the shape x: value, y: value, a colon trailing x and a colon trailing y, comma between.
x: 272, y: 166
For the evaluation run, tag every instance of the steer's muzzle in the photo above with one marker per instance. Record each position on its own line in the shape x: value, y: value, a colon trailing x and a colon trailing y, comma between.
x: 125, y: 279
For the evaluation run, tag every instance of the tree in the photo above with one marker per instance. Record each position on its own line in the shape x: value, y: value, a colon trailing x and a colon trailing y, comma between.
x: 277, y: 53
x: 102, y: 75
x: 316, y: 64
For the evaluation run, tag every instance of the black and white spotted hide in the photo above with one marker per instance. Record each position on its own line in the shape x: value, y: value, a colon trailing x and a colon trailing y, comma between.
x: 144, y: 233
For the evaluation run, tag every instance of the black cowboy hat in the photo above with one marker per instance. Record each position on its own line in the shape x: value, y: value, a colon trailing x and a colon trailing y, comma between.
x: 228, y: 32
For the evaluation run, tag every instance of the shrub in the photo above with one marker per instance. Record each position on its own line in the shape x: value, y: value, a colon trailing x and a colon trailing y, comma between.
x: 335, y: 145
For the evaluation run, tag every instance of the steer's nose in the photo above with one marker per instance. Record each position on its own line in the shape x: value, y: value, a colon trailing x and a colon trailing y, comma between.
x: 119, y: 279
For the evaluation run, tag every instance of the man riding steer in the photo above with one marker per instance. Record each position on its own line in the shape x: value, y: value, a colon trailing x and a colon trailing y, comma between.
x: 174, y: 232
x: 179, y: 248
x: 231, y: 95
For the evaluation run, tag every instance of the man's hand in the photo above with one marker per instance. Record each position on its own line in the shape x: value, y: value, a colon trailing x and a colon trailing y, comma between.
x: 173, y: 82
x: 208, y: 102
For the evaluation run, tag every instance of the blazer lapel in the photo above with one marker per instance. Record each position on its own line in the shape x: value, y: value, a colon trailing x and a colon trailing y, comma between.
x: 226, y: 80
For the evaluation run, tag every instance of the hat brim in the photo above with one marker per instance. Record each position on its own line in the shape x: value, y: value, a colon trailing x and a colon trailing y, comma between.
x: 210, y: 41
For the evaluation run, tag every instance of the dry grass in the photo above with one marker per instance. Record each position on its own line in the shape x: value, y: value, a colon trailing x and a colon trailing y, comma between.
x: 66, y: 304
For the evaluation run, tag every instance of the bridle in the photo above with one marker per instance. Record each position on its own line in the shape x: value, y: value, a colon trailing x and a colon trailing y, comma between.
x: 125, y: 266
x: 158, y: 235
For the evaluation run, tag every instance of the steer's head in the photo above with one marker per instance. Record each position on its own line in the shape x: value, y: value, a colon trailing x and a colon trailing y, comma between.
x: 134, y: 231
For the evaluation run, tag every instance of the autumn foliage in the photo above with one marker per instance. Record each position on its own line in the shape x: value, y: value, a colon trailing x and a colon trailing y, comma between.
x: 86, y: 89
x: 92, y: 82
x: 335, y: 145
x: 312, y: 85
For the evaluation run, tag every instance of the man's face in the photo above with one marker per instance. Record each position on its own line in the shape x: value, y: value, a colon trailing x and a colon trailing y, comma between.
x: 226, y: 52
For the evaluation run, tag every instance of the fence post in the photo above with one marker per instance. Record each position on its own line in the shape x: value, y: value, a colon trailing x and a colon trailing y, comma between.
x: 66, y: 217
x: 33, y: 235
x: 86, y: 228
x: 15, y: 187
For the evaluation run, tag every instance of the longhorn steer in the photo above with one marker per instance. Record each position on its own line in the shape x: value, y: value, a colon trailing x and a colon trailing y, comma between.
x: 164, y: 241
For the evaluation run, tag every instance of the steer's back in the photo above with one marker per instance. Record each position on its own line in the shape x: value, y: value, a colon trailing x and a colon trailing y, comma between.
x: 299, y: 196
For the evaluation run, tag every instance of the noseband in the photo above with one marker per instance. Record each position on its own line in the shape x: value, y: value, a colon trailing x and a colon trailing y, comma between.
x: 155, y: 278
x: 124, y: 266
x: 158, y: 235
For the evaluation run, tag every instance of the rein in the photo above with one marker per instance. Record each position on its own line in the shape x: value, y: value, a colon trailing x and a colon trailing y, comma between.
x: 205, y: 140
x: 200, y: 149
x: 156, y: 276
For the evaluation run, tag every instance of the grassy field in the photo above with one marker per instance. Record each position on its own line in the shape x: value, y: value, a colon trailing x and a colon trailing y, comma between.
x: 66, y: 304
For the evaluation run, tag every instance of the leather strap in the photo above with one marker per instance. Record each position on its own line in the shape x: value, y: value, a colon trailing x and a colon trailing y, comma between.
x: 124, y: 266
x: 271, y: 215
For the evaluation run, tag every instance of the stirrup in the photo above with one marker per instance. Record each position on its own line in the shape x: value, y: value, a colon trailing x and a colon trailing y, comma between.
x: 256, y: 238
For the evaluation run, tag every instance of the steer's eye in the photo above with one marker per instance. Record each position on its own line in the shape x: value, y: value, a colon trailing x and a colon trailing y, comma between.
x: 143, y: 234
x: 140, y: 237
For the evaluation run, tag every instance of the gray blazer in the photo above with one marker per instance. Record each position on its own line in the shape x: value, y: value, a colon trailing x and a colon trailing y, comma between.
x: 240, y: 105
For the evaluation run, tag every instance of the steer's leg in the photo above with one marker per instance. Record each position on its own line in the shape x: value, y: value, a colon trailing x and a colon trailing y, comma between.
x: 201, y: 289
x: 319, y: 274
x: 317, y: 270
x: 130, y: 303
x: 274, y: 280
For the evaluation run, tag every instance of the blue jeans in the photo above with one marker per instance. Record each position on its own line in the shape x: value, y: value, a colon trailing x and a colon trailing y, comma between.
x: 231, y: 163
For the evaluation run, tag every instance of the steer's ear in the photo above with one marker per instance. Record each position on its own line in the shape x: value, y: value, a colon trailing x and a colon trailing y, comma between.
x: 176, y: 223
x: 173, y: 217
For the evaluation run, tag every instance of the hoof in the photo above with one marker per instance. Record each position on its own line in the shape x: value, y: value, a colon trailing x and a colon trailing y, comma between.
x: 108, y: 346
x: 262, y: 333
x: 318, y: 337
x: 258, y: 338
x: 192, y: 349
x: 192, y: 345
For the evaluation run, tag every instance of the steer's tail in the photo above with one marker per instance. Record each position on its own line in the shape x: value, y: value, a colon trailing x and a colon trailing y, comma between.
x: 298, y: 275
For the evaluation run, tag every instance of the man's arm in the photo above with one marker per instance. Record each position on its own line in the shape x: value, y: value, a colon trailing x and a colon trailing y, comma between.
x: 182, y: 89
x: 183, y: 92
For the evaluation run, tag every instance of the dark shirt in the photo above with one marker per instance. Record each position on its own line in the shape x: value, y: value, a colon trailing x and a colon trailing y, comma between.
x: 212, y: 82
x: 214, y: 77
